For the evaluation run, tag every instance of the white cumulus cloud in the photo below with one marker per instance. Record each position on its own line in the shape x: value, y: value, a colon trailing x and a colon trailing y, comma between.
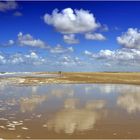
x: 8, y: 5
x: 70, y: 39
x: 95, y: 36
x: 11, y: 42
x: 68, y: 60
x: 60, y: 49
x: 70, y: 21
x: 122, y: 56
x: 89, y: 54
x: 2, y: 59
x: 28, y: 40
x: 130, y: 39
x: 31, y: 58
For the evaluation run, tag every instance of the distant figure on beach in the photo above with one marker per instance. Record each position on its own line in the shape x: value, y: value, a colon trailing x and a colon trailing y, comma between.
x: 60, y: 73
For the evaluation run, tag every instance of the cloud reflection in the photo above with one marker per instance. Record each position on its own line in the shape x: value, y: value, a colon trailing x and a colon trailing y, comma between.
x: 130, y: 101
x: 29, y: 104
x: 111, y: 88
x: 72, y: 119
x: 65, y: 90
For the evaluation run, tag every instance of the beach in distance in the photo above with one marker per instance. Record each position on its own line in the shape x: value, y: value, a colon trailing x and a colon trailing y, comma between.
x: 72, y: 77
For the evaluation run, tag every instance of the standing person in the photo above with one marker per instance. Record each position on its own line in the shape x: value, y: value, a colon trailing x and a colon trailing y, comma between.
x: 60, y: 73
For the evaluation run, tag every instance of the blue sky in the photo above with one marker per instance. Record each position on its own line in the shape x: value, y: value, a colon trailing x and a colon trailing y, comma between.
x: 69, y: 36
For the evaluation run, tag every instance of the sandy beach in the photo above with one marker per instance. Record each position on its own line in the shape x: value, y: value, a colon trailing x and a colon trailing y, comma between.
x: 76, y: 77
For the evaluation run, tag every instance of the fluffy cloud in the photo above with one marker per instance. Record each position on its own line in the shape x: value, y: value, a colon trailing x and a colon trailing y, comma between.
x: 68, y: 60
x: 34, y: 59
x: 120, y: 56
x: 29, y: 59
x: 60, y: 49
x: 11, y: 42
x: 72, y: 21
x: 70, y: 39
x: 87, y: 53
x: 16, y: 59
x: 8, y: 5
x: 2, y: 60
x: 28, y: 40
x: 107, y: 54
x: 95, y: 36
x: 130, y: 39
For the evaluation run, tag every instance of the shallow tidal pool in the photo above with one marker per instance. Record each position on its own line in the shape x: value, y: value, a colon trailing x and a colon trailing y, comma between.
x: 69, y: 111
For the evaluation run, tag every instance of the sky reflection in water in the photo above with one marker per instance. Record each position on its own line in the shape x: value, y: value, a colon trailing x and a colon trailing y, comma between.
x: 69, y: 111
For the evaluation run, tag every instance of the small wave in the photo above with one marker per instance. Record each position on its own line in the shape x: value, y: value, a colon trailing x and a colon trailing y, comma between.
x: 30, y: 74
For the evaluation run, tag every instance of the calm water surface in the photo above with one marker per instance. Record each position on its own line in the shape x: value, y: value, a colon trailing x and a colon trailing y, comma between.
x: 70, y: 111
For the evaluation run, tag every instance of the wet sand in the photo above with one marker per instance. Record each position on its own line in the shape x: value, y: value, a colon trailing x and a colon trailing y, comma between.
x: 67, y: 111
x: 44, y: 106
x: 79, y: 77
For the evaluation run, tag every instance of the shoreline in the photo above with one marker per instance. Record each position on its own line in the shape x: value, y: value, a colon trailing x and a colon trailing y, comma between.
x: 77, y: 78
